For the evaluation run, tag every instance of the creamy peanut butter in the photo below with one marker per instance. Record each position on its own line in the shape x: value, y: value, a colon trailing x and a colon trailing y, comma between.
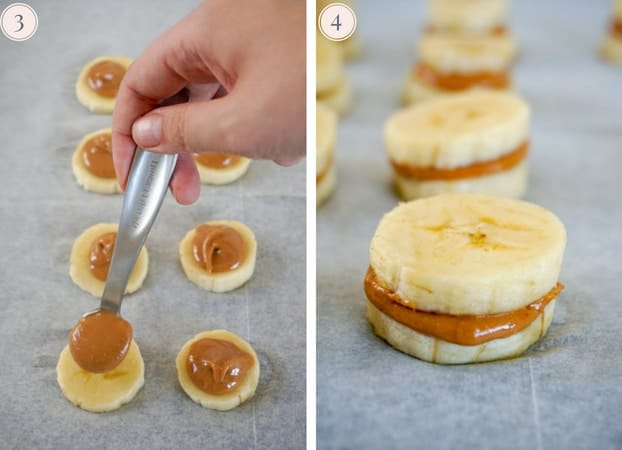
x: 462, y: 329
x: 498, y: 30
x: 104, y: 78
x: 217, y: 366
x: 478, y: 169
x: 616, y: 28
x: 100, y: 341
x: 100, y: 255
x: 218, y: 160
x: 218, y: 248
x: 97, y: 156
x: 459, y: 81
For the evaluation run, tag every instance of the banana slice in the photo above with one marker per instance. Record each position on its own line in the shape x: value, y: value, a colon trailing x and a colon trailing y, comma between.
x: 101, y: 392
x: 225, y: 366
x: 79, y: 263
x: 224, y: 174
x: 467, y: 54
x: 470, y: 142
x: 467, y: 16
x: 461, y: 256
x: 105, y: 74
x: 230, y: 256
x: 326, y: 177
x: 99, y: 152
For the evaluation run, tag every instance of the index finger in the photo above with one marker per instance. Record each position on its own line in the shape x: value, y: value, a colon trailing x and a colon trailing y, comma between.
x: 160, y: 72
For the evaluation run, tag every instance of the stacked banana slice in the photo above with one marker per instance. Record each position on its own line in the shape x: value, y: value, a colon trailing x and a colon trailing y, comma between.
x: 611, y: 48
x: 474, y: 142
x: 466, y: 46
x: 326, y: 177
x: 101, y: 392
x: 461, y: 278
x: 333, y: 87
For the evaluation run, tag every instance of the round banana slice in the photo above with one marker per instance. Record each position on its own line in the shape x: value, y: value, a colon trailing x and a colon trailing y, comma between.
x: 219, y: 255
x: 224, y: 369
x: 470, y: 16
x: 326, y: 178
x: 460, y: 278
x: 92, y: 163
x: 468, y: 254
x: 467, y: 54
x: 101, y: 392
x: 218, y: 168
x: 90, y: 258
x: 99, y: 82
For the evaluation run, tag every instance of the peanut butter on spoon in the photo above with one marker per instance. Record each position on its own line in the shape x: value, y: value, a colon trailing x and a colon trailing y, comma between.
x: 100, y: 341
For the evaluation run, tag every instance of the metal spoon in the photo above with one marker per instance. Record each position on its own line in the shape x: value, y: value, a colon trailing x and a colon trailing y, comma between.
x: 147, y: 185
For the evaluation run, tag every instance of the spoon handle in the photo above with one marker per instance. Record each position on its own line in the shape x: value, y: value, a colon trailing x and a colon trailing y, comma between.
x: 147, y: 185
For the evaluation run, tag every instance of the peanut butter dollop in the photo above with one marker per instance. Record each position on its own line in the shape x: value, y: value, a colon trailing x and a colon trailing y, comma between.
x: 100, y: 255
x: 217, y: 160
x: 100, y: 341
x: 97, y: 156
x: 458, y: 81
x: 462, y: 329
x: 218, y: 248
x: 104, y: 78
x: 217, y: 366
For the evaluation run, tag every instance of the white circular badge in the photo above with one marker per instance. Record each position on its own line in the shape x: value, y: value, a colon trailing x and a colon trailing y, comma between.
x: 19, y: 22
x: 337, y: 22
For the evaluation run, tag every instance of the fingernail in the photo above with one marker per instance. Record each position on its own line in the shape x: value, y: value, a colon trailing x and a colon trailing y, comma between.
x: 147, y: 131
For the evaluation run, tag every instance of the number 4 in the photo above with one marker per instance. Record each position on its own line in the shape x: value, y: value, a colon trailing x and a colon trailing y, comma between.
x: 335, y: 23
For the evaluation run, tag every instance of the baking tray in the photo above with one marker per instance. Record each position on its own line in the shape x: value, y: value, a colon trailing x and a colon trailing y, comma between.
x: 43, y: 210
x: 566, y: 391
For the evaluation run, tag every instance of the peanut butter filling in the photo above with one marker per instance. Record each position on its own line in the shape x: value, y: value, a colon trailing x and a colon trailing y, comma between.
x: 100, y: 341
x: 459, y: 81
x: 100, y: 255
x: 97, y: 156
x: 217, y: 160
x: 104, y: 78
x: 462, y: 329
x: 216, y: 366
x: 218, y: 248
x: 498, y: 30
x: 479, y: 169
x: 616, y: 28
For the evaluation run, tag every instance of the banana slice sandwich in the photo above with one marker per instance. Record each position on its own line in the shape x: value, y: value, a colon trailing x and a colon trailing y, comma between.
x: 326, y: 177
x: 475, y: 142
x: 463, y: 278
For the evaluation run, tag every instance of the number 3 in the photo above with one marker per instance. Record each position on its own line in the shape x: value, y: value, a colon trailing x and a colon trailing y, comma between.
x: 20, y: 21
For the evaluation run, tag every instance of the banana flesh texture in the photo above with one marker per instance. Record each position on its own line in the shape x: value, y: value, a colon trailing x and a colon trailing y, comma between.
x: 468, y: 253
x: 101, y: 392
x: 457, y: 131
x: 467, y: 16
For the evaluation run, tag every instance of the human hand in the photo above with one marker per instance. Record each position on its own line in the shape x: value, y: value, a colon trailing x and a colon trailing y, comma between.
x: 239, y: 70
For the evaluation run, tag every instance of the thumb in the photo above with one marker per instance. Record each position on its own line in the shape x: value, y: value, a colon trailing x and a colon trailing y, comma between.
x: 186, y: 128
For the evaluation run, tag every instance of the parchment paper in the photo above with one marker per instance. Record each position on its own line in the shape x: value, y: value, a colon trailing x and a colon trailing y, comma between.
x: 43, y: 210
x: 566, y: 391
